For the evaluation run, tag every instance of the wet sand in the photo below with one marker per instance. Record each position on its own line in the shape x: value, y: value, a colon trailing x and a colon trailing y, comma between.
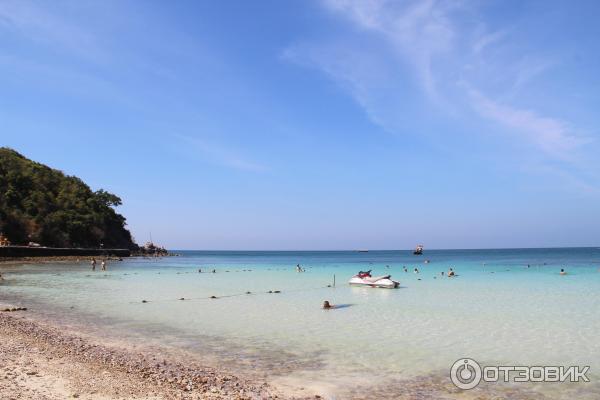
x: 40, y: 361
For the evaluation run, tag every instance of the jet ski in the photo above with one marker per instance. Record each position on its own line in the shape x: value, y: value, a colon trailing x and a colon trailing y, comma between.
x: 364, y: 278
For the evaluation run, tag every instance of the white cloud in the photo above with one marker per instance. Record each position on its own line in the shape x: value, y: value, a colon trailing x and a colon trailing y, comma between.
x: 418, y: 31
x: 218, y: 154
x: 486, y: 40
x: 44, y: 25
x: 551, y: 135
x: 444, y: 47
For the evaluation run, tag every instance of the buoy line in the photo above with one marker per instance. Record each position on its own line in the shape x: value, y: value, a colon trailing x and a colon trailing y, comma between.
x: 248, y: 293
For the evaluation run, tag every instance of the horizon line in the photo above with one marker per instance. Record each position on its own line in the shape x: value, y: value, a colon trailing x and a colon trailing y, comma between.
x: 373, y: 250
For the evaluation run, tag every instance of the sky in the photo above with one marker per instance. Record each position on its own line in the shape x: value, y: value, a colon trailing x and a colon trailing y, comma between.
x: 316, y: 124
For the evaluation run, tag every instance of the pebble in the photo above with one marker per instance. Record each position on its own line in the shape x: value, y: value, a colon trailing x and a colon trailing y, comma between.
x: 173, y: 379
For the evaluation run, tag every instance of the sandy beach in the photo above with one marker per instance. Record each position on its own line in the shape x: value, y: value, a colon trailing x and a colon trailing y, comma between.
x: 39, y: 361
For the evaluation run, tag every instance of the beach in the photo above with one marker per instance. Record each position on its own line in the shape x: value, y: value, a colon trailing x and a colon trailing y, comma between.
x: 255, y: 327
x: 39, y: 361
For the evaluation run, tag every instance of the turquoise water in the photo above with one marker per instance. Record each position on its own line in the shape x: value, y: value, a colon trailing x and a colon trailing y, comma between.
x: 497, y: 311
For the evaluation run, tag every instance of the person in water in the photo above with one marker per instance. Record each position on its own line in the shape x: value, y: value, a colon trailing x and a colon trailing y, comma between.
x: 405, y: 269
x: 93, y: 264
x: 416, y: 270
x: 451, y: 272
x: 562, y: 271
x: 103, y: 264
x: 327, y: 306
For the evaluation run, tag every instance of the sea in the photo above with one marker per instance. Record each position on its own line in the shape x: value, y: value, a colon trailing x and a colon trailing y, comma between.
x: 256, y: 315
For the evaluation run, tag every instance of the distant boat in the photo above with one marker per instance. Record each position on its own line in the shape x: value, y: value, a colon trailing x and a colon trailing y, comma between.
x: 363, y: 250
x: 418, y: 250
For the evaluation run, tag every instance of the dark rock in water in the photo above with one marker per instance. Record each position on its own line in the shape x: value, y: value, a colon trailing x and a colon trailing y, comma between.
x: 213, y: 297
x: 183, y: 298
x: 144, y: 301
x: 248, y: 292
x: 270, y: 291
x: 277, y: 291
x: 12, y: 309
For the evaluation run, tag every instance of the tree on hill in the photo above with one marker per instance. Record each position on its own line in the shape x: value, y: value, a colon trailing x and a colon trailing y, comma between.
x: 43, y: 205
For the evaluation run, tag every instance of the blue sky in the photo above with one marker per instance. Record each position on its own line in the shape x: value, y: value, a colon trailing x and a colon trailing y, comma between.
x: 316, y: 124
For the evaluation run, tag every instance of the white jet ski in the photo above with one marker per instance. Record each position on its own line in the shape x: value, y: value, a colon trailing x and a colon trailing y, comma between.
x: 365, y: 279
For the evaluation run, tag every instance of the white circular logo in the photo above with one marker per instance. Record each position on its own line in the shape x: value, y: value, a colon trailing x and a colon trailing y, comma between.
x: 465, y: 373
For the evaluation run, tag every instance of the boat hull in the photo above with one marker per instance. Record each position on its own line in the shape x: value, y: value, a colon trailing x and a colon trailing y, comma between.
x: 381, y: 283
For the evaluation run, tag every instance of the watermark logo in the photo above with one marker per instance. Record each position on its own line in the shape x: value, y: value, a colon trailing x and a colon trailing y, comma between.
x: 466, y: 373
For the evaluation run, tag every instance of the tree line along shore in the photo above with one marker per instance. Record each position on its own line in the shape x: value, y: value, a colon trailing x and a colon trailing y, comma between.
x: 46, y: 213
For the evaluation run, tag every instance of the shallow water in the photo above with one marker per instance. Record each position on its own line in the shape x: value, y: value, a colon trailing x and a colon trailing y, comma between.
x: 382, y: 343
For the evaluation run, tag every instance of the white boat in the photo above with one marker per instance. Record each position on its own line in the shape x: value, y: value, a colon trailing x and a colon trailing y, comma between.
x: 365, y: 279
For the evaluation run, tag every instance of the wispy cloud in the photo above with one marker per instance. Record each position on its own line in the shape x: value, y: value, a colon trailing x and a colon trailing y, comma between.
x: 45, y: 26
x: 450, y: 53
x: 551, y: 135
x: 488, y: 39
x: 218, y: 154
x: 418, y: 31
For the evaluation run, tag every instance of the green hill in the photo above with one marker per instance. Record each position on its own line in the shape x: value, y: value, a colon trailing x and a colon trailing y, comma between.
x: 43, y: 205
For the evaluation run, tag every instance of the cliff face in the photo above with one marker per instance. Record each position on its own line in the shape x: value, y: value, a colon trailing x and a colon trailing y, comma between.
x: 43, y: 205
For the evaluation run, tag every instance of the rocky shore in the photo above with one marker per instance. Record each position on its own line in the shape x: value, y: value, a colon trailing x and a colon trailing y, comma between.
x: 38, y: 361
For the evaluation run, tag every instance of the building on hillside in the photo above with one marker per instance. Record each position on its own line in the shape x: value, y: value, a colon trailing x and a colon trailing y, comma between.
x: 4, y: 240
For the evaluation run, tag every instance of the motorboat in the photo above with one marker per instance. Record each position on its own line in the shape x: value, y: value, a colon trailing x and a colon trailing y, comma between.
x: 418, y: 250
x: 364, y: 278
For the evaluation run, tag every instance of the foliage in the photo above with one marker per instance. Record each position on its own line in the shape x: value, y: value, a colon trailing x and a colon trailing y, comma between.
x: 43, y: 205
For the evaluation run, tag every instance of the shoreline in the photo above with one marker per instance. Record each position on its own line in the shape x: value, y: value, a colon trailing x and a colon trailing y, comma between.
x: 67, y: 259
x: 52, y: 259
x: 41, y: 360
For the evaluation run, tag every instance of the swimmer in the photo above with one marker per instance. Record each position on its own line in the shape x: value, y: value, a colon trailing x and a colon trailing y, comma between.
x: 416, y: 270
x: 562, y: 271
x: 327, y: 306
x: 451, y: 273
x: 405, y: 270
x: 103, y: 264
x: 214, y: 271
x: 93, y: 264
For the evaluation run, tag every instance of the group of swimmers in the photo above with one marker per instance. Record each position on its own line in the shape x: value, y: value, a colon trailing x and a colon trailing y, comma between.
x: 450, y: 274
x: 102, y: 264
